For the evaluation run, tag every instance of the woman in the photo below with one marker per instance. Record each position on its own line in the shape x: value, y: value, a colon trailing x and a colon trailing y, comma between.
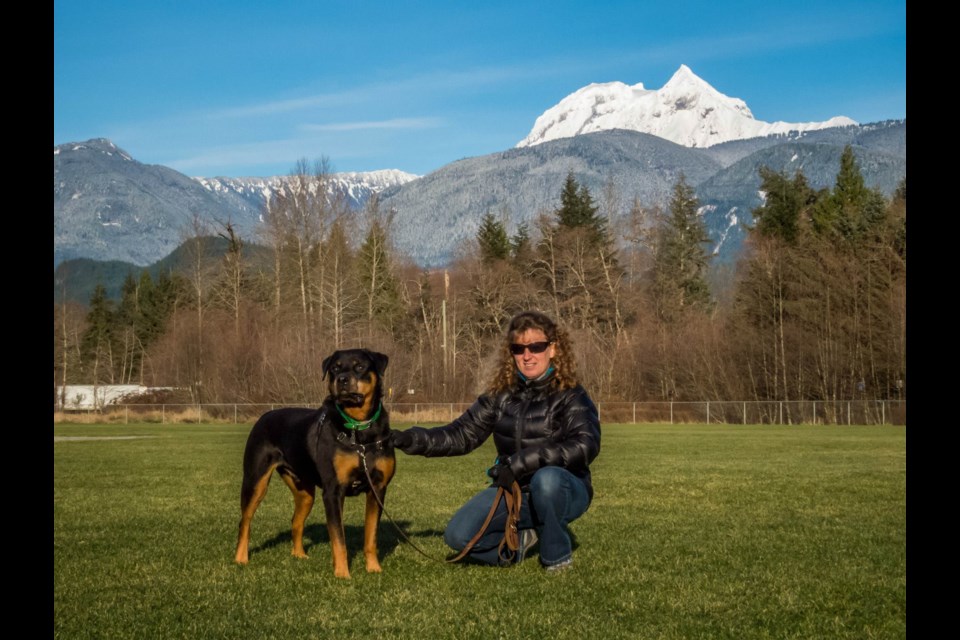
x: 546, y: 431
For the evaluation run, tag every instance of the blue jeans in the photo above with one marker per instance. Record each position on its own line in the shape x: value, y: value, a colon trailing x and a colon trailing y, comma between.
x: 556, y: 498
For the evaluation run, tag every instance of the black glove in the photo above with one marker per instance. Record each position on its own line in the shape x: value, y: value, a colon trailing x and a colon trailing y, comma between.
x: 503, y: 476
x: 402, y: 440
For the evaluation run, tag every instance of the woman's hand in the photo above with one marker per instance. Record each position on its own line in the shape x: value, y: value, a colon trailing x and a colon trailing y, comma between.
x: 402, y: 440
x: 502, y: 475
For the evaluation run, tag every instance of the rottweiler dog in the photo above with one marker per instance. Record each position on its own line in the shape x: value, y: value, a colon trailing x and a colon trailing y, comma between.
x: 334, y: 447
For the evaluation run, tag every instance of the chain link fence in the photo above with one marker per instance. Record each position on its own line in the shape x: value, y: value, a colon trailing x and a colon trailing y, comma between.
x: 860, y: 412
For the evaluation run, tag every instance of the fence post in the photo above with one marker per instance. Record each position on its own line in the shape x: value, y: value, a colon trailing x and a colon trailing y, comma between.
x: 814, y: 412
x: 126, y: 415
x: 671, y: 412
x: 781, y: 412
x: 235, y: 414
x: 883, y: 412
x: 634, y: 413
x: 848, y: 413
x: 744, y: 413
x: 708, y: 412
x: 163, y: 414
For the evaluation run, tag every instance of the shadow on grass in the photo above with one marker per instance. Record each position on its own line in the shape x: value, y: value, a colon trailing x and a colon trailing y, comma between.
x: 316, y: 535
x: 389, y: 536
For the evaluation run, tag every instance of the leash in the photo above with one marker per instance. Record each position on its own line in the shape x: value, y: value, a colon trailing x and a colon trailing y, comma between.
x: 511, y: 534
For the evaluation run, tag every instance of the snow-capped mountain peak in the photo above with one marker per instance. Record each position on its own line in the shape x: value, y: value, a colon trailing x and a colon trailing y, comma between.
x: 685, y: 91
x: 686, y: 110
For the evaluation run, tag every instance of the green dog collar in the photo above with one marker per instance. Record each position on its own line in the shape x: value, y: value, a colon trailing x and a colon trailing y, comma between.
x: 358, y: 425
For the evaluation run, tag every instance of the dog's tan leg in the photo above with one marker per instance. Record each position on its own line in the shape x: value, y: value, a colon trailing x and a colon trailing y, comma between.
x: 246, y: 516
x: 303, y: 498
x: 386, y: 467
x: 371, y: 521
x: 338, y: 542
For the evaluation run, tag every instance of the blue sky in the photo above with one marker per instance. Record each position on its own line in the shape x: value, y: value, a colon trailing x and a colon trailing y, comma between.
x: 240, y: 88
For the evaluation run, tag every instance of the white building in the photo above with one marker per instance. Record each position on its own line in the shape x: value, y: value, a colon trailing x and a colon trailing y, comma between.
x: 86, y: 397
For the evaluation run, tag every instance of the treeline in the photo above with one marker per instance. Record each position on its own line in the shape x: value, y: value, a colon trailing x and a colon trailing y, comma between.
x: 816, y: 307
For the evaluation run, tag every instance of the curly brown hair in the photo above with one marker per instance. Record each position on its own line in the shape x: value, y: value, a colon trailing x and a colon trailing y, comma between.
x: 565, y: 374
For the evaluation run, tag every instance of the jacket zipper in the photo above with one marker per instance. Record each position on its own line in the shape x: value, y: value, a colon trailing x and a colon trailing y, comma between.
x: 521, y: 423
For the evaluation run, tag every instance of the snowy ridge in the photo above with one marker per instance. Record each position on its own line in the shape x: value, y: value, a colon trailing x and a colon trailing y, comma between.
x: 101, y: 145
x: 356, y: 184
x: 686, y: 110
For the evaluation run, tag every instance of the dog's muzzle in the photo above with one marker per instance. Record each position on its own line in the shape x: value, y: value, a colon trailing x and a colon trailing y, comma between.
x: 346, y: 390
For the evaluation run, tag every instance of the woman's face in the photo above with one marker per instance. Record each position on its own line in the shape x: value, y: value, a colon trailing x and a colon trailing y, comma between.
x: 533, y: 365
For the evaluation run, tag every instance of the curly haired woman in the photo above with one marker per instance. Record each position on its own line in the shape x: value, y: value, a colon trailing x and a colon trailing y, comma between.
x: 546, y: 431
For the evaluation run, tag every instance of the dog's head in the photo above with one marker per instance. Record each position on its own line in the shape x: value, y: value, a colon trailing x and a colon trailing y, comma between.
x: 355, y: 378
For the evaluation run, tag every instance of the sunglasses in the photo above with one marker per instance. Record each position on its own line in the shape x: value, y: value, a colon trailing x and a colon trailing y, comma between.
x: 535, y: 347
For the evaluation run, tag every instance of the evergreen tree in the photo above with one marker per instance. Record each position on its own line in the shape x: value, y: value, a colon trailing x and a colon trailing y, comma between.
x: 492, y: 239
x: 521, y: 239
x: 578, y: 211
x: 898, y: 219
x: 851, y: 209
x: 96, y: 345
x: 154, y: 311
x: 576, y: 262
x: 128, y: 325
x: 377, y: 279
x: 681, y: 258
x: 785, y: 204
x: 168, y: 293
x: 520, y: 243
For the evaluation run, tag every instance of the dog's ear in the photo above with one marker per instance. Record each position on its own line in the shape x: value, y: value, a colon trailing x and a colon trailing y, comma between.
x: 326, y: 363
x: 380, y: 361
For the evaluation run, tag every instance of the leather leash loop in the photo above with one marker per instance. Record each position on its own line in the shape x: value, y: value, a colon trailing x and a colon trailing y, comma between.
x: 511, y: 534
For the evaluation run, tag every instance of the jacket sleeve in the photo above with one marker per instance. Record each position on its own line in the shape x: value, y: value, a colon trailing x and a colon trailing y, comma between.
x: 577, y: 442
x: 461, y: 436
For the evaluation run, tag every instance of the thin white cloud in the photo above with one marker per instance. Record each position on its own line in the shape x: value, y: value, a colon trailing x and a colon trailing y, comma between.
x: 268, y: 152
x: 423, y: 84
x: 265, y: 153
x: 393, y: 123
x: 294, y: 104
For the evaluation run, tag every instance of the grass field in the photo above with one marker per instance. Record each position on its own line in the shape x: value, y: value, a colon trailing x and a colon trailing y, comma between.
x: 695, y: 532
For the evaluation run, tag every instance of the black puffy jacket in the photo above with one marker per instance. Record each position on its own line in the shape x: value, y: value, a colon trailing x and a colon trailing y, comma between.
x: 533, y: 424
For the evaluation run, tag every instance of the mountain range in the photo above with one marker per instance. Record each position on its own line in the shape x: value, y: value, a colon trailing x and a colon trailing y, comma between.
x: 615, y: 139
x: 109, y: 206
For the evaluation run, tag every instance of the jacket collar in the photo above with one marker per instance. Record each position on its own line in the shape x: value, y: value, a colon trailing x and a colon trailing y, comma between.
x: 542, y: 382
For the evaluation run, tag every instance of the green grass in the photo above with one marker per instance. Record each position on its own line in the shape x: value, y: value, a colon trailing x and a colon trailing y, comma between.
x: 695, y: 532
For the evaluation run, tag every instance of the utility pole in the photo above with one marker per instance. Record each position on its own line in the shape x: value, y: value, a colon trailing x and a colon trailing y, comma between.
x: 443, y: 315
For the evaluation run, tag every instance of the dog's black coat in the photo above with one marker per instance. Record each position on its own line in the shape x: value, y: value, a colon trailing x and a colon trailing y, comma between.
x: 312, y: 448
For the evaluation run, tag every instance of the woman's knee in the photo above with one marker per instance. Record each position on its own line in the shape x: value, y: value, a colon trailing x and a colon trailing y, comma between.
x: 457, y: 534
x: 548, y: 481
x: 467, y: 520
x: 453, y: 538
